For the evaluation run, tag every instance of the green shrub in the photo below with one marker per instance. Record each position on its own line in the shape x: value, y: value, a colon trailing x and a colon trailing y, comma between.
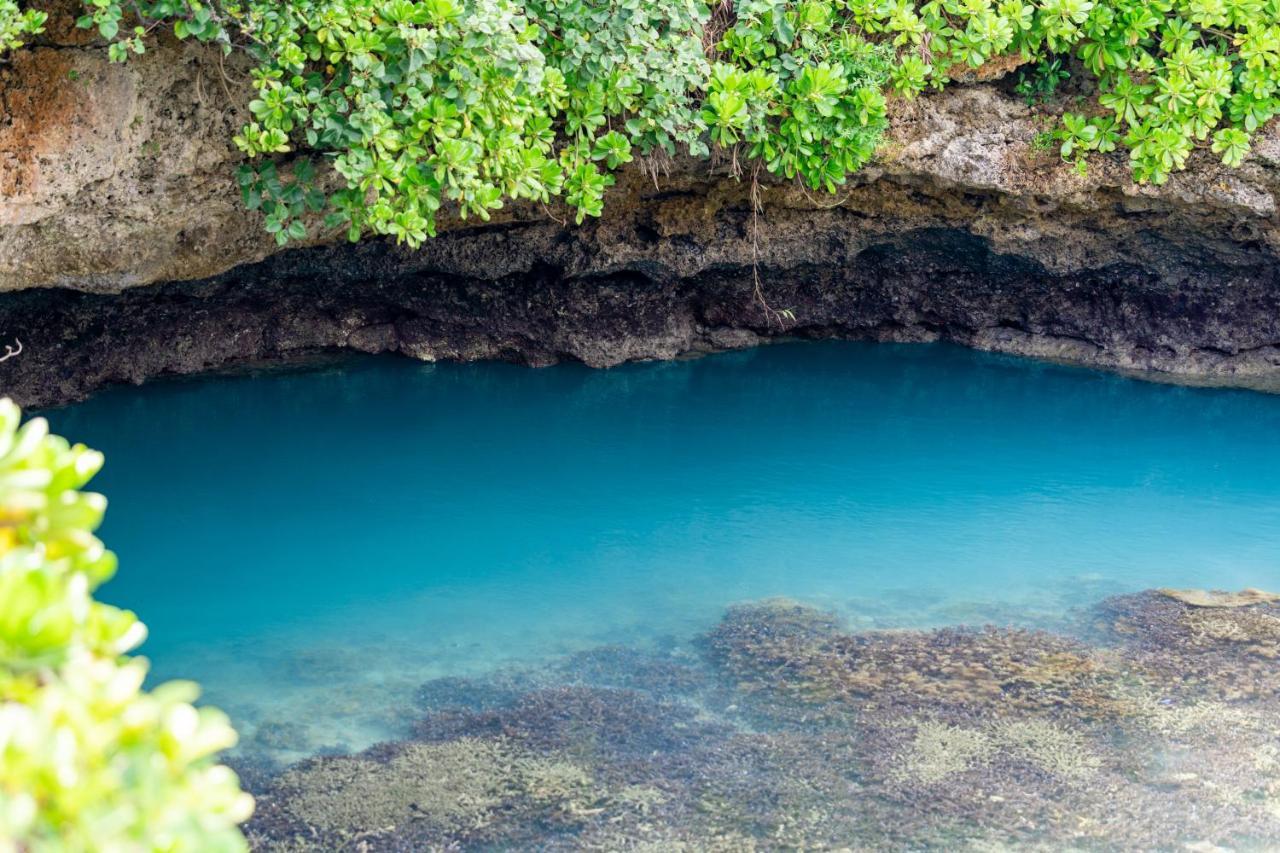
x: 89, y: 760
x: 15, y: 24
x: 629, y: 67
x: 419, y: 106
x: 800, y: 89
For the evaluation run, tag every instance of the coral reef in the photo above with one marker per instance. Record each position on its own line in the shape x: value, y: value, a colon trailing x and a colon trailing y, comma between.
x: 940, y: 750
x: 424, y: 791
x: 465, y: 694
x: 1228, y: 652
x: 794, y: 733
x: 1050, y: 747
x: 801, y: 655
x: 593, y: 723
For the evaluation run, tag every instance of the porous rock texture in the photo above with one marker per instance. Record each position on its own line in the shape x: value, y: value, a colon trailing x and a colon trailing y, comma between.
x: 125, y: 252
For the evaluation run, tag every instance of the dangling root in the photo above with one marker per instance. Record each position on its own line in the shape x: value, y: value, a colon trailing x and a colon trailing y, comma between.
x: 773, y: 315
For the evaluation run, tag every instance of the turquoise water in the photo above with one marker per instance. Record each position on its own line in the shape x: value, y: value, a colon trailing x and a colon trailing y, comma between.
x: 313, y: 546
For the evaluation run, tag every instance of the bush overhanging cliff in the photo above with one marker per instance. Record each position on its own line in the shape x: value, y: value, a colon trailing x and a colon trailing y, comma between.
x: 419, y: 105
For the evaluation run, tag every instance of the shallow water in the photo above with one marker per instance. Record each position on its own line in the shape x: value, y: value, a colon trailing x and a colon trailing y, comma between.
x: 294, y: 537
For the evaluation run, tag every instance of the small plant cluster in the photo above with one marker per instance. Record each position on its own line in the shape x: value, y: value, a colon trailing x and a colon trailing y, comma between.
x: 88, y: 759
x: 16, y: 25
x: 1042, y: 83
x: 801, y: 89
x: 418, y: 105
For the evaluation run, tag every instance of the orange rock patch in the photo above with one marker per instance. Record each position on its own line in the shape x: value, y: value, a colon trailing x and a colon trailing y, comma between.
x: 38, y: 105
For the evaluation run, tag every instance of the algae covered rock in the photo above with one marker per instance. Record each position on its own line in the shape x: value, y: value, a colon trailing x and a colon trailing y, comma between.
x: 793, y: 733
x: 466, y: 694
x: 800, y: 654
x: 452, y: 789
x: 993, y: 738
x: 1224, y: 645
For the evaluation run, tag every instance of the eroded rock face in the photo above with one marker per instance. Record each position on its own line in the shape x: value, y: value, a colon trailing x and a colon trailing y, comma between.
x: 637, y: 285
x: 116, y: 175
x: 125, y: 253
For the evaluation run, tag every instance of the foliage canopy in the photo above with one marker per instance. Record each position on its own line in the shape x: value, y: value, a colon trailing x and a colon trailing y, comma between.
x: 421, y: 104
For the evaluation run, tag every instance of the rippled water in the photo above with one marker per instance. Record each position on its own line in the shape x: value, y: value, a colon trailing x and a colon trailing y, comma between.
x: 315, y: 546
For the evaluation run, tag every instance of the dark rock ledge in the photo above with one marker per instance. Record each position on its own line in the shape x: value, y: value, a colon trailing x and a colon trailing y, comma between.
x: 672, y: 274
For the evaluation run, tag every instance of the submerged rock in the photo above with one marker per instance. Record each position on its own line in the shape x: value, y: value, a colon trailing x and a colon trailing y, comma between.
x: 799, y: 654
x: 1218, y: 598
x: 278, y: 736
x: 1225, y: 651
x: 663, y: 675
x: 904, y: 740
x: 452, y: 789
x: 465, y: 694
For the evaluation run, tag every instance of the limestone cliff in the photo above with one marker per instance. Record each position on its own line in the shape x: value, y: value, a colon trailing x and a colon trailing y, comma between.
x: 125, y: 252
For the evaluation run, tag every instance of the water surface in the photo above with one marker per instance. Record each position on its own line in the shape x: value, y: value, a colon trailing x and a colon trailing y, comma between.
x: 314, y: 546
